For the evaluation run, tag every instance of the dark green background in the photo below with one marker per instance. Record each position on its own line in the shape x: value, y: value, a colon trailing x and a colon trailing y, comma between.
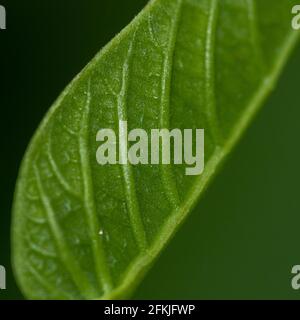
x: 243, y: 238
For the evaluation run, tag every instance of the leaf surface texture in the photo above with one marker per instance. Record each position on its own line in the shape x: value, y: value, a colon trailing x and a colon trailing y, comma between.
x: 85, y: 231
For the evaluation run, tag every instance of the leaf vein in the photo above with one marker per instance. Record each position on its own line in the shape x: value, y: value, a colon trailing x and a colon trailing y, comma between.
x: 46, y: 284
x: 210, y: 90
x: 59, y: 176
x: 102, y: 269
x: 166, y: 170
x: 252, y: 16
x: 128, y: 176
x: 68, y: 259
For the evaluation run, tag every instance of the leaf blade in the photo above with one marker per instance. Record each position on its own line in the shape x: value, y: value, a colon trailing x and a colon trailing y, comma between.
x: 111, y: 88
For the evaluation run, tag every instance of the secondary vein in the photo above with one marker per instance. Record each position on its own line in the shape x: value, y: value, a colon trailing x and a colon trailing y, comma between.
x: 68, y: 259
x: 166, y: 170
x: 128, y: 176
x: 101, y: 266
x: 252, y: 16
x: 211, y: 108
x: 46, y: 284
x: 59, y: 176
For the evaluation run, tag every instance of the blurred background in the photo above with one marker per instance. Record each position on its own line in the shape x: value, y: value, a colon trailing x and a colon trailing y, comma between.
x: 242, y: 240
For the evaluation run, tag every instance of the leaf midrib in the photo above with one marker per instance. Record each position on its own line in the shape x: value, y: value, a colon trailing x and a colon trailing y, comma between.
x: 138, y: 267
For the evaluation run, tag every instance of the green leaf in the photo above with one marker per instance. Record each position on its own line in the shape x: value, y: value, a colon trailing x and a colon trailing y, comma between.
x: 81, y: 230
